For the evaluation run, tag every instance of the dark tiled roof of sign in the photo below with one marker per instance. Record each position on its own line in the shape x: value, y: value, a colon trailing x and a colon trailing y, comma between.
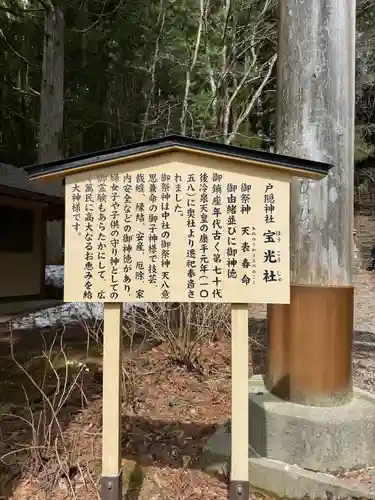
x: 153, y: 145
x: 17, y: 178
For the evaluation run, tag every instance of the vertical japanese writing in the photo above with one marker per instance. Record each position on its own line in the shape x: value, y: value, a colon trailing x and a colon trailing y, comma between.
x: 89, y: 235
x: 76, y: 207
x: 203, y: 236
x: 271, y: 253
x: 245, y: 248
x: 246, y: 234
x: 191, y: 254
x: 177, y: 233
x: 254, y: 254
x: 269, y: 204
x: 245, y: 198
x: 127, y: 237
x: 114, y: 236
x: 232, y: 249
x: 140, y: 237
x: 165, y: 242
x: 178, y: 195
x: 101, y: 247
x: 217, y: 234
x: 152, y: 229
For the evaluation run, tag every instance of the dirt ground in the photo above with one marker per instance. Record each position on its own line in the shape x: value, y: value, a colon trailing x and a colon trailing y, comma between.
x: 167, y: 417
x: 169, y: 414
x: 163, y: 430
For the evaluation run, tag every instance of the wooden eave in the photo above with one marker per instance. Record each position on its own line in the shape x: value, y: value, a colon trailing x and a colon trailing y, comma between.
x: 247, y: 157
x: 31, y: 195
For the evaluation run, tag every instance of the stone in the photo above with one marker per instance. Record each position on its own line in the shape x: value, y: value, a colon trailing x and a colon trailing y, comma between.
x: 289, y: 441
x: 324, y: 439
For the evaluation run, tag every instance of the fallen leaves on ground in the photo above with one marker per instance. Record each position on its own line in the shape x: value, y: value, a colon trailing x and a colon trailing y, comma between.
x: 164, y: 430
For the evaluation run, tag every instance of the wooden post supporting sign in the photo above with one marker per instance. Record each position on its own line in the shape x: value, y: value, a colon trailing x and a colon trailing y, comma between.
x: 111, y: 485
x: 177, y: 220
x: 239, y: 485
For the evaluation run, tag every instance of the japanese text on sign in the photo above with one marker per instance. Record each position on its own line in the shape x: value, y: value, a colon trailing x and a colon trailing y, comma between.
x: 182, y: 234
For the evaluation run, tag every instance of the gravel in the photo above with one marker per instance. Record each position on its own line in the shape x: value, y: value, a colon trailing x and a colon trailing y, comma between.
x: 364, y: 334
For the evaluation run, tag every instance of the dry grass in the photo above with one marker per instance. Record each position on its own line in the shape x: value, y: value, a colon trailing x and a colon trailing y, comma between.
x: 176, y: 391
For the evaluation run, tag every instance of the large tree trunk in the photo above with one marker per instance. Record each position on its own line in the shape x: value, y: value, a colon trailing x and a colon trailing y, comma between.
x: 310, y: 350
x: 52, y: 112
x: 52, y: 88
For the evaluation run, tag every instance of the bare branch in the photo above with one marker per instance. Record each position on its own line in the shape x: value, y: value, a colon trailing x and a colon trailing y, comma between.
x: 20, y: 56
x: 191, y: 68
x: 100, y: 17
x: 235, y: 93
x: 19, y: 11
x: 161, y: 20
x: 30, y: 91
x: 253, y: 100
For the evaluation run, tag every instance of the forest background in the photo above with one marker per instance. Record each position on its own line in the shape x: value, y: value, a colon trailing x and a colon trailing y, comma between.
x: 83, y: 75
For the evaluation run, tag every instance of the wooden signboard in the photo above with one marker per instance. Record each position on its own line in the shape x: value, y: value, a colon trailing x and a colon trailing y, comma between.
x: 177, y: 232
x: 177, y: 220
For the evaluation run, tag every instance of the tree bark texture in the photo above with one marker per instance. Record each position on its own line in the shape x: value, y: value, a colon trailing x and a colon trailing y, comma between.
x: 315, y: 110
x: 52, y: 88
x: 310, y: 340
x: 51, y: 121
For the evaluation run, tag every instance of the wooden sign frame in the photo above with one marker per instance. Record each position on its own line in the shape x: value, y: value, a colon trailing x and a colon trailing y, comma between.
x: 195, y: 155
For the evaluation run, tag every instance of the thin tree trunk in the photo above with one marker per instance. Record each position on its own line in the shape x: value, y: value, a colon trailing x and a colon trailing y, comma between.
x: 191, y: 67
